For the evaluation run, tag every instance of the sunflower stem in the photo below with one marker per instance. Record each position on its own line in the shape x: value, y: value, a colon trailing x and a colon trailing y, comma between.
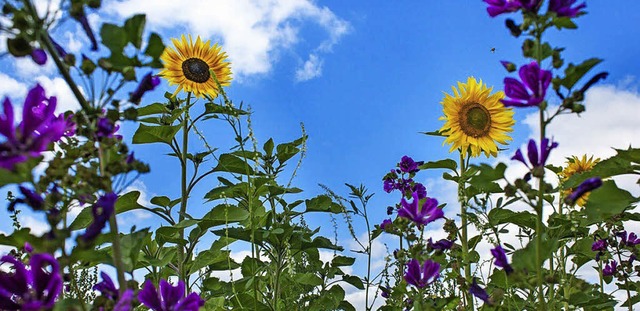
x: 464, y: 239
x: 184, y: 192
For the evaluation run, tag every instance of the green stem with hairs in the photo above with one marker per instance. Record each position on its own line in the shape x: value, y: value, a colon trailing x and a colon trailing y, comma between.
x: 464, y: 238
x: 184, y: 191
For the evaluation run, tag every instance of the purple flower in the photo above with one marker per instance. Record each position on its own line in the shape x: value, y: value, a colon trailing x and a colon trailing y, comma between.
x: 169, y: 298
x: 407, y: 165
x: 563, y: 8
x: 30, y: 289
x: 531, y: 5
x: 441, y: 244
x: 421, y: 276
x: 81, y: 17
x: 497, y: 7
x: 107, y: 288
x: 501, y: 259
x: 39, y: 56
x: 30, y: 197
x: 124, y: 304
x: 27, y: 247
x: 586, y: 186
x: 385, y: 223
x: 107, y: 128
x: 404, y: 184
x: 38, y: 129
x: 385, y: 292
x: 130, y: 158
x: 148, y: 83
x: 479, y: 292
x: 599, y: 245
x: 610, y: 268
x: 630, y: 240
x: 533, y: 79
x: 101, y: 210
x: 389, y: 185
x: 429, y: 211
x: 420, y: 189
x: 536, y: 158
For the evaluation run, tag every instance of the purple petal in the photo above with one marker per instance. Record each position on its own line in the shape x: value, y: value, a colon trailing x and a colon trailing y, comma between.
x: 171, y: 294
x: 39, y: 56
x: 532, y: 151
x: 148, y: 296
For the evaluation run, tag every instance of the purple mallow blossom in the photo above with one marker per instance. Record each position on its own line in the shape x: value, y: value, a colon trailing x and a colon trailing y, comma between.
x: 629, y: 240
x: 408, y: 165
x: 599, y: 245
x: 563, y: 8
x: 101, y: 210
x: 38, y: 129
x: 420, y: 189
x: 108, y: 290
x: 148, y: 83
x: 497, y: 7
x: 30, y: 197
x: 386, y: 223
x: 479, y: 292
x: 533, y: 79
x: 501, y: 259
x: 537, y: 158
x: 586, y: 186
x: 169, y: 298
x: 30, y: 289
x: 105, y: 128
x: 440, y: 244
x: 610, y: 268
x: 421, y: 276
x: 421, y: 215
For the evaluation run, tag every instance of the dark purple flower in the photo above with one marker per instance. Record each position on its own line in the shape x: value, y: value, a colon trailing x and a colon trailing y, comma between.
x: 106, y: 128
x: 101, y: 210
x: 407, y: 165
x: 610, y: 268
x: 404, y: 184
x: 421, y: 276
x: 81, y: 17
x: 124, y: 304
x: 39, y: 56
x: 148, y: 83
x: 479, y: 292
x: 389, y: 210
x: 563, y: 7
x: 501, y: 259
x: 420, y: 189
x: 107, y: 288
x: 586, y: 186
x: 38, y: 129
x: 537, y: 158
x: 440, y: 244
x: 30, y: 289
x: 385, y: 223
x: 30, y: 197
x: 630, y: 240
x: 599, y: 245
x: 497, y: 7
x: 130, y: 158
x: 531, y: 5
x: 169, y: 298
x: 384, y: 292
x: 533, y: 79
x: 389, y: 185
x: 423, y: 215
x: 70, y: 126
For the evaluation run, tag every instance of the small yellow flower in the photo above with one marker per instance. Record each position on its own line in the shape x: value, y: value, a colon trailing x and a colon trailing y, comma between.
x: 189, y: 65
x: 577, y: 165
x: 475, y: 119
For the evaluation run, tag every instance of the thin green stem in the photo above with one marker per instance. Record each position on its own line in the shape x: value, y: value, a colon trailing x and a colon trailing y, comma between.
x: 464, y: 238
x: 183, y: 189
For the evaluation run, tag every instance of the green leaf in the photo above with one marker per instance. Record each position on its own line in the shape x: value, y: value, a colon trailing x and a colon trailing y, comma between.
x: 607, y: 201
x: 286, y: 151
x: 233, y: 164
x: 155, y: 47
x: 113, y: 37
x: 624, y: 162
x: 155, y: 108
x: 564, y: 22
x: 268, y: 147
x: 134, y: 27
x: 446, y: 164
x: 353, y: 280
x: 340, y: 261
x: 322, y: 203
x: 130, y: 245
x: 221, y: 214
x: 127, y: 202
x: 574, y: 73
x: 308, y: 279
x: 213, y: 259
x: 146, y: 134
x: 525, y: 259
x: 163, y: 201
x: 213, y: 109
x: 524, y: 219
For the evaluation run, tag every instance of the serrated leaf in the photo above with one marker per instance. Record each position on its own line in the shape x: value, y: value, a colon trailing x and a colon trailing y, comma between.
x: 146, y: 134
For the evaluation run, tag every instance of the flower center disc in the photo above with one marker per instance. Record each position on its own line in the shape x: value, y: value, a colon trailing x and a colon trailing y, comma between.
x: 475, y: 120
x: 196, y: 70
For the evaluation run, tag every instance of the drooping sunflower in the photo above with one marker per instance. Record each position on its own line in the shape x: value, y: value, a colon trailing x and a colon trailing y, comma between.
x: 189, y: 65
x: 475, y: 119
x: 576, y: 165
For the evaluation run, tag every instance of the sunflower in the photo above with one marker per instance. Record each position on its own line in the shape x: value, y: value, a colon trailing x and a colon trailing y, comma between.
x: 475, y: 119
x: 190, y: 65
x: 577, y: 165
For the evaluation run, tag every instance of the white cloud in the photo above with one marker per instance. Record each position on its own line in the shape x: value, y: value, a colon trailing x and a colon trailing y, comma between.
x: 12, y: 88
x: 37, y: 226
x: 312, y: 68
x: 143, y: 200
x: 253, y: 32
x: 73, y: 44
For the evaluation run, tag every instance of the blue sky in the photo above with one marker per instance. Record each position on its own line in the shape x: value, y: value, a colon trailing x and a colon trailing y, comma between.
x: 365, y: 77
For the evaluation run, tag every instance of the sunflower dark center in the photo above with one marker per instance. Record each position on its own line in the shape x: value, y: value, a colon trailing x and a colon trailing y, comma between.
x: 196, y: 70
x: 475, y: 120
